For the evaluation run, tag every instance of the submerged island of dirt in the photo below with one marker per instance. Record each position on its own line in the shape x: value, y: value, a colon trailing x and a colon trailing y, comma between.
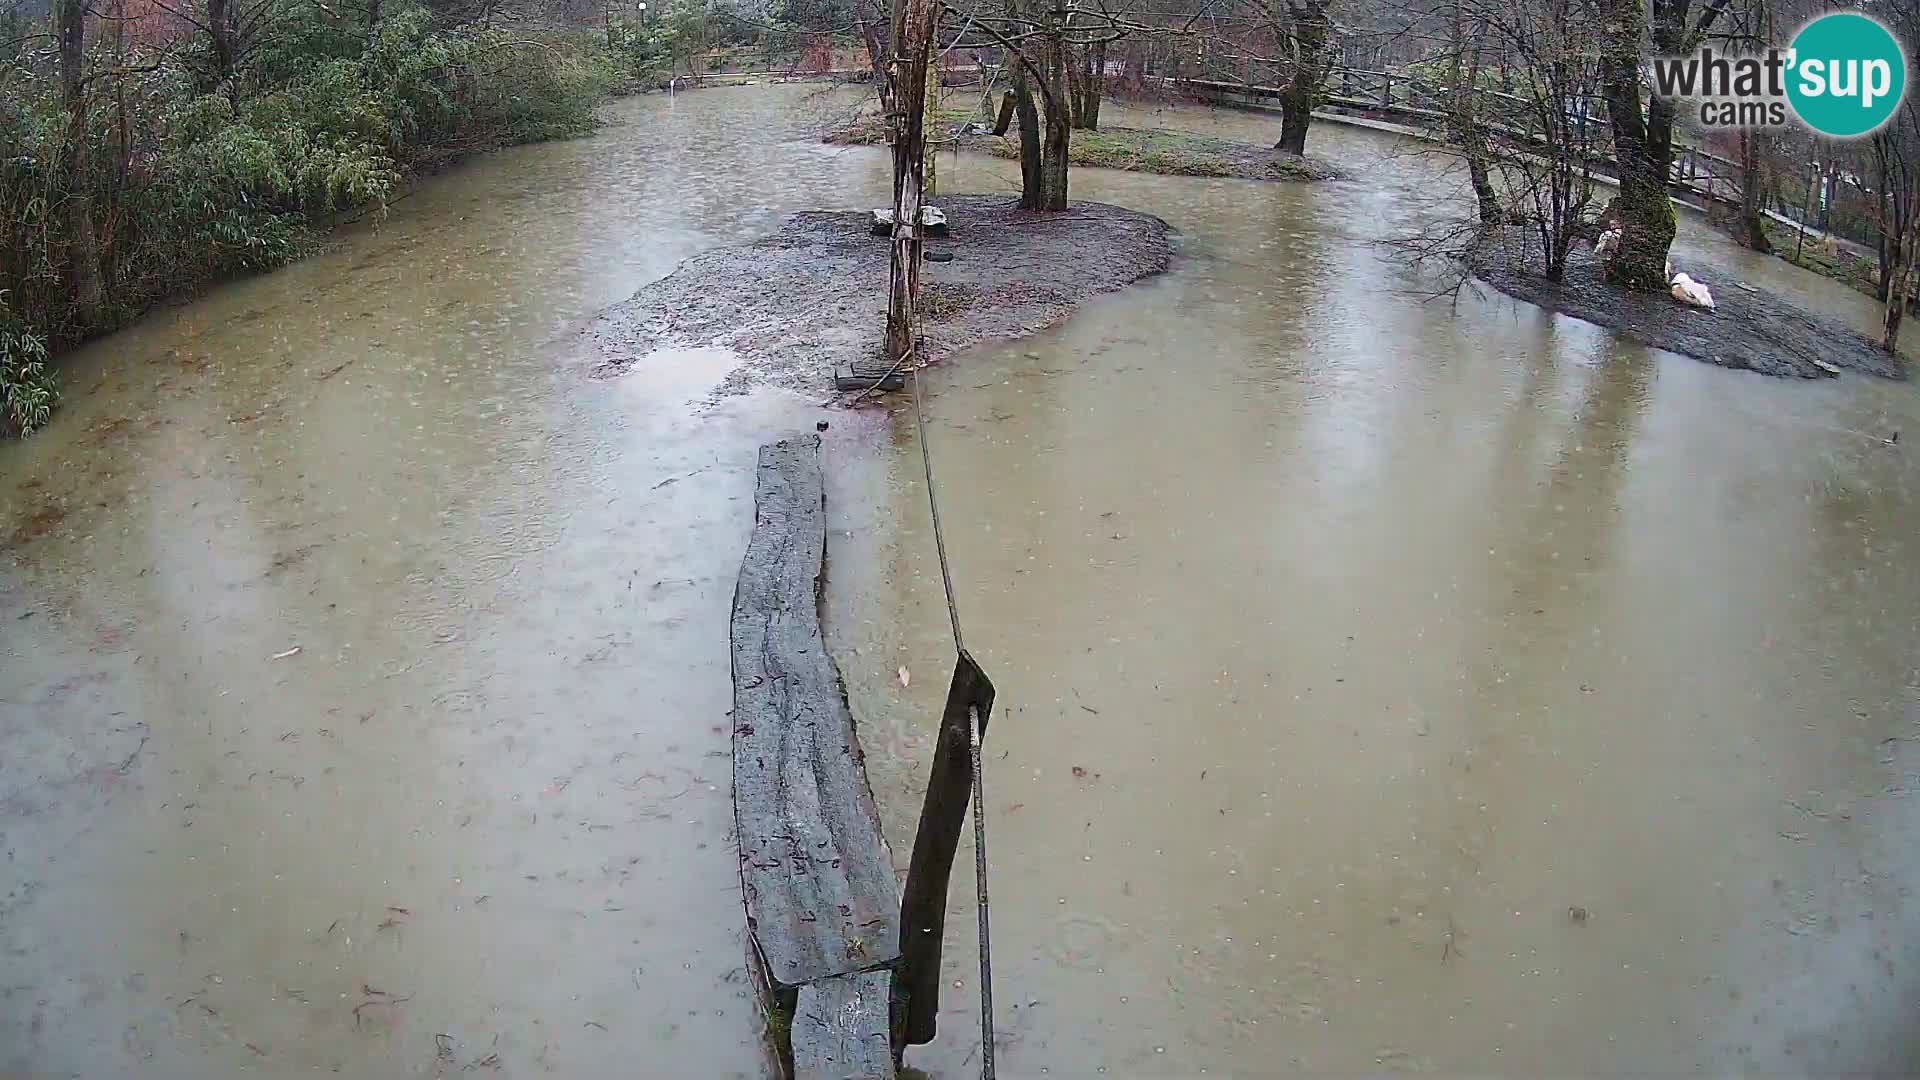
x: 812, y: 296
x: 1749, y: 328
x: 1169, y: 153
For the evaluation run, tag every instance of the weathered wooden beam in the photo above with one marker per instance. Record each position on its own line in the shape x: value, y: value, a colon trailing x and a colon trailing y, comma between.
x: 818, y: 883
x: 840, y: 1029
x: 923, y: 907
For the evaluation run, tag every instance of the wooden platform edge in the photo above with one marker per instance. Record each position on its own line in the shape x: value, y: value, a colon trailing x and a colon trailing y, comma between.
x: 817, y: 881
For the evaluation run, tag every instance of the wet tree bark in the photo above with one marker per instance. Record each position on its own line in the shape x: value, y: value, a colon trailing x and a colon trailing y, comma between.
x: 220, y: 40
x: 1889, y: 246
x: 1031, y: 197
x: 1095, y: 88
x: 83, y: 255
x: 1753, y: 232
x: 1896, y: 310
x: 1643, y: 138
x: 1076, y: 80
x: 1642, y: 152
x: 912, y: 37
x: 869, y: 21
x: 1894, y: 180
x: 1135, y: 76
x: 1058, y: 133
x: 930, y: 155
x: 1310, y: 31
x: 1088, y: 86
x: 1467, y: 131
x: 1897, y: 177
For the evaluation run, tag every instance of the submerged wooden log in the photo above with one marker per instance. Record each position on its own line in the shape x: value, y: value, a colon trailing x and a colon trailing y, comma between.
x: 818, y: 883
x: 840, y: 1029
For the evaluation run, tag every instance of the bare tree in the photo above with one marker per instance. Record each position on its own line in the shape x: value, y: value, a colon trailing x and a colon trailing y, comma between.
x: 1043, y: 45
x: 1544, y: 145
x: 913, y: 31
x: 1896, y: 157
x: 1464, y: 126
x: 1287, y: 44
x: 1530, y: 152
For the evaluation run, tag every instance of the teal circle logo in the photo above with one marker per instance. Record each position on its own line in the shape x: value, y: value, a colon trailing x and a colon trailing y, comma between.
x: 1846, y: 74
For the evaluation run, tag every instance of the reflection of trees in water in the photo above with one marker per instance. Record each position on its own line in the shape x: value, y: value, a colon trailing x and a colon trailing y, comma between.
x: 1542, y: 526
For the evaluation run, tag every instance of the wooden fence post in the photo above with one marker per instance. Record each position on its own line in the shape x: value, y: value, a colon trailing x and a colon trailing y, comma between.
x: 923, y: 903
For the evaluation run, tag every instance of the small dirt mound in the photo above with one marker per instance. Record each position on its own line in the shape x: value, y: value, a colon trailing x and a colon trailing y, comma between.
x: 796, y: 304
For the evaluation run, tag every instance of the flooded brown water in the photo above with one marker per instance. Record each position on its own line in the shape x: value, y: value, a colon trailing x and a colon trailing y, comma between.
x: 1391, y: 688
x: 1346, y: 646
x: 484, y: 810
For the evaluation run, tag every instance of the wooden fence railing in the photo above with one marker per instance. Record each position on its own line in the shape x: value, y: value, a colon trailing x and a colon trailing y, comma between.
x: 1399, y: 95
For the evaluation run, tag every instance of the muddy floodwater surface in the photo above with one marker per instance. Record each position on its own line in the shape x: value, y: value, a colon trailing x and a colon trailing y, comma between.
x: 1383, y: 685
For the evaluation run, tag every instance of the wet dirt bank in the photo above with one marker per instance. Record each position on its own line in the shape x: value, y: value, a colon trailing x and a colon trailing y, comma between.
x: 1153, y: 150
x: 811, y: 295
x: 1751, y: 327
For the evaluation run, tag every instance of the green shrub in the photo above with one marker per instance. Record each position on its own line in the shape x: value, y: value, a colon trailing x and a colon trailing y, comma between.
x: 27, y: 388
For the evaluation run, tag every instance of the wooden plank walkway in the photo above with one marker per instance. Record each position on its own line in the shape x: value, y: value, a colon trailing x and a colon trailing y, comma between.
x: 822, y: 906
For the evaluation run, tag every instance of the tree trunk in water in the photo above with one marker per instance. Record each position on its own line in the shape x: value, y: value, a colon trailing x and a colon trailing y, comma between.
x: 1897, y: 300
x: 1294, y: 118
x: 1752, y: 191
x: 1310, y: 33
x: 1095, y: 87
x: 83, y: 256
x: 1076, y: 85
x: 1029, y: 117
x: 1058, y: 135
x: 1890, y: 236
x: 1642, y: 145
x: 1467, y: 131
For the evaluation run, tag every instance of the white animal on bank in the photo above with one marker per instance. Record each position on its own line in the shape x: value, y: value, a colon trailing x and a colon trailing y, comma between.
x: 1608, y: 243
x: 1688, y: 291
